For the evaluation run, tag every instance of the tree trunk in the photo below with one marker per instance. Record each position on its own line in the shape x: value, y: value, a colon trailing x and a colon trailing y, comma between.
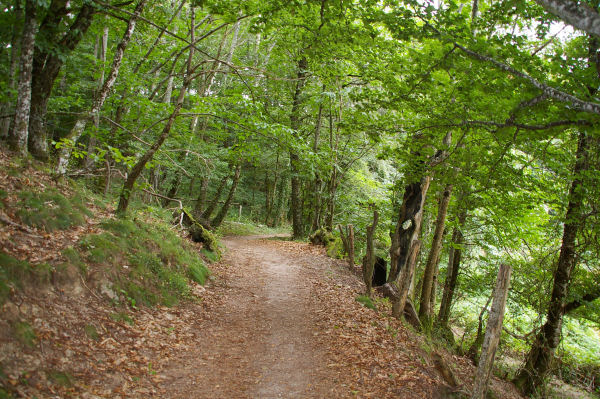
x: 539, y: 359
x: 46, y: 66
x: 12, y: 72
x: 18, y: 135
x: 140, y: 165
x: 216, y: 222
x: 473, y: 350
x: 453, y: 268
x: 429, y: 276
x: 492, y: 333
x: 369, y: 258
x: 408, y: 227
x: 100, y: 97
x: 101, y: 57
x: 296, y: 205
x: 215, y: 201
x: 201, y: 201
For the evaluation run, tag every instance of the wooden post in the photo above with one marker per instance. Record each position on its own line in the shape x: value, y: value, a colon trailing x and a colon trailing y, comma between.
x: 492, y: 333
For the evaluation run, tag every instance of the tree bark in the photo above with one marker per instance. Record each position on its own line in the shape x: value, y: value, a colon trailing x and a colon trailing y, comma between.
x: 216, y: 222
x: 100, y: 97
x: 215, y: 201
x: 46, y: 66
x: 137, y: 169
x: 12, y: 72
x: 408, y: 227
x: 429, y: 276
x: 492, y: 333
x: 579, y: 15
x: 296, y: 202
x: 453, y: 269
x: 20, y: 127
x: 369, y: 258
x: 539, y: 359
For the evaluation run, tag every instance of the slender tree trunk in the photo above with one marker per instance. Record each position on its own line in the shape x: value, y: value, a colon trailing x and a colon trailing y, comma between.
x: 46, y: 67
x: 216, y: 222
x: 296, y: 201
x: 12, y: 72
x: 492, y: 333
x: 18, y: 135
x: 92, y: 143
x: 215, y: 201
x: 429, y: 276
x: 98, y: 102
x: 539, y: 359
x: 369, y: 258
x: 201, y: 201
x: 453, y: 268
x: 137, y: 169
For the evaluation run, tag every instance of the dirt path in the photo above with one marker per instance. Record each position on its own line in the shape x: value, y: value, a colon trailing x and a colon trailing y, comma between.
x: 259, y: 341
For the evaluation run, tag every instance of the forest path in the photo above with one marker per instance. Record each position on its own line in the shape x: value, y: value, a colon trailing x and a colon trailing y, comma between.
x: 259, y: 341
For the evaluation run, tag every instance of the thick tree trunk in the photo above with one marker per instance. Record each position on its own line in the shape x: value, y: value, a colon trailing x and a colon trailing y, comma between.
x: 100, y: 97
x: 492, y: 333
x: 431, y: 267
x: 19, y: 133
x: 216, y: 222
x: 295, y: 199
x: 453, y: 268
x: 46, y: 66
x: 540, y: 357
x: 408, y: 227
x: 137, y: 169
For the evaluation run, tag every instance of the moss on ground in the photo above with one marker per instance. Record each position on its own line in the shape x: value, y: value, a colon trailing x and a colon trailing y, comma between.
x: 15, y: 273
x: 50, y: 210
x: 149, y: 263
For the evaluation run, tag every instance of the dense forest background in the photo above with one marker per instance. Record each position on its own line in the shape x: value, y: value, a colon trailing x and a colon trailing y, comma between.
x: 471, y: 128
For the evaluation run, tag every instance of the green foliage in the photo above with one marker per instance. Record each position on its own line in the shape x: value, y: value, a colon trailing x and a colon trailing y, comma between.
x: 366, y: 302
x: 51, y: 210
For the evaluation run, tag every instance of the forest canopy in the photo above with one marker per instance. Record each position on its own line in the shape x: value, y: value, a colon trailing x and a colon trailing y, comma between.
x: 471, y: 127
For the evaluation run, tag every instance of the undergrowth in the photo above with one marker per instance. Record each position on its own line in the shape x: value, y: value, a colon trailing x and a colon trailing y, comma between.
x: 148, y: 263
x: 50, y: 210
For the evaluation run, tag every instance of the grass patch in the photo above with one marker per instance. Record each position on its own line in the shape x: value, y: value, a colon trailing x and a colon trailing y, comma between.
x: 148, y: 262
x: 210, y: 255
x: 14, y: 273
x: 366, y: 302
x: 61, y: 378
x: 91, y: 332
x: 122, y: 317
x: 50, y: 210
x: 24, y: 333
